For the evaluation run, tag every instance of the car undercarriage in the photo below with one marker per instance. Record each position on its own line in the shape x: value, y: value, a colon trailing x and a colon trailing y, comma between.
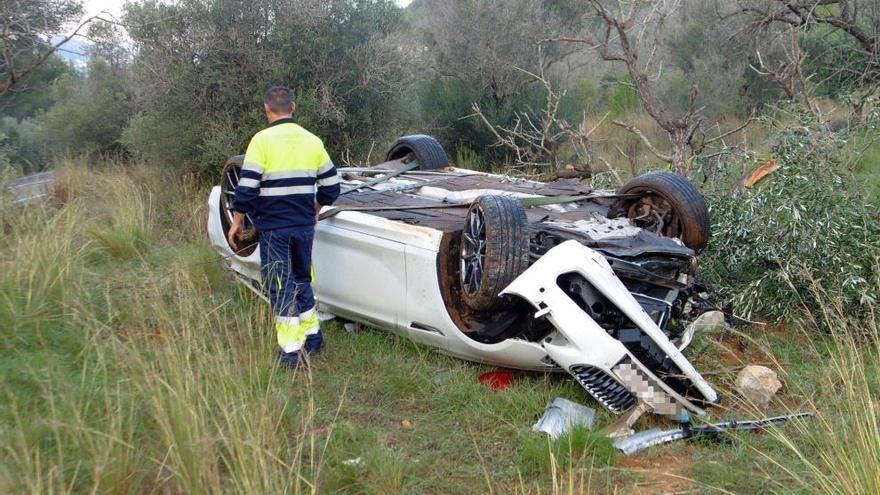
x: 532, y: 275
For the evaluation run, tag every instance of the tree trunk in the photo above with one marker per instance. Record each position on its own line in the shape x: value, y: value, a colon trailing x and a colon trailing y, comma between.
x: 681, y: 151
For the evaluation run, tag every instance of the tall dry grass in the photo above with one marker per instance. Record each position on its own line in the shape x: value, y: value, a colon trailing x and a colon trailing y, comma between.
x: 129, y: 364
x: 839, y: 451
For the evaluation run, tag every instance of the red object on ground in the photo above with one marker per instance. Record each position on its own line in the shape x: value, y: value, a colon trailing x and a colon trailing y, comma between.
x: 497, y: 379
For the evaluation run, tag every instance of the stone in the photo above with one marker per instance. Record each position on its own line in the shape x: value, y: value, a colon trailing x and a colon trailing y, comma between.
x: 758, y: 384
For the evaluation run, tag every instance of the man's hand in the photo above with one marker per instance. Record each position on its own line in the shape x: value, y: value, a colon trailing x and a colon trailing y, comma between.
x: 235, y: 230
x: 317, y: 211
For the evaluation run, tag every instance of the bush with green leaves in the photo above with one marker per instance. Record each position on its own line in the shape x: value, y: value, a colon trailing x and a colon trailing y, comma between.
x: 90, y: 112
x: 201, y: 67
x: 20, y: 146
x: 804, y: 225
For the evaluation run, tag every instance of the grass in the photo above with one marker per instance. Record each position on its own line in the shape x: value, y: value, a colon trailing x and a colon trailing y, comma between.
x: 133, y: 363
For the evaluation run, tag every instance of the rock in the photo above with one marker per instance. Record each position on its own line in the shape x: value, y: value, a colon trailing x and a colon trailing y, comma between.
x: 709, y: 320
x: 758, y: 384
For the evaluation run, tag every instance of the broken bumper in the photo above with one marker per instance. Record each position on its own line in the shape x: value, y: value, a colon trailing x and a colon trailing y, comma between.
x: 601, y: 363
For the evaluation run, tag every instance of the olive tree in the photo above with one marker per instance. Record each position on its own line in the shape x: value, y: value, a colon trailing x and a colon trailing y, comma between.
x: 28, y: 30
x: 201, y: 67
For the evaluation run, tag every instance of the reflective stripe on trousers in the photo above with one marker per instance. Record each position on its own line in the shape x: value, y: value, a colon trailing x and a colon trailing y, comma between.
x: 287, y: 272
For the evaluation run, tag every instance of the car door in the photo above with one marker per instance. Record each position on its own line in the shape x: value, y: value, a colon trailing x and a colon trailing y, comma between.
x: 360, y: 276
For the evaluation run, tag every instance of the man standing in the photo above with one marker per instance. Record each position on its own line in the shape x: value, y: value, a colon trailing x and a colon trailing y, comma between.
x: 285, y: 179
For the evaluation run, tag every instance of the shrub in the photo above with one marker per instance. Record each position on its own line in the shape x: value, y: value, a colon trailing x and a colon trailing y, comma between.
x: 19, y: 146
x: 805, y: 221
x: 90, y: 111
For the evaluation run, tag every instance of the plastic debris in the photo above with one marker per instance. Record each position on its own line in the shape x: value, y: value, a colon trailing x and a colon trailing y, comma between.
x: 623, y: 427
x: 707, y: 321
x: 497, y: 379
x: 655, y: 436
x: 561, y: 414
x: 357, y: 461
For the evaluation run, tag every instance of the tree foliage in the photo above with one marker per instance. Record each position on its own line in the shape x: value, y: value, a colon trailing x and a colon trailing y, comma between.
x: 806, y: 224
x: 201, y: 68
x: 27, y: 30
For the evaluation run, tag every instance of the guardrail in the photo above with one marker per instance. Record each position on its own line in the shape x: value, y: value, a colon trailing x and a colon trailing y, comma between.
x: 31, y: 187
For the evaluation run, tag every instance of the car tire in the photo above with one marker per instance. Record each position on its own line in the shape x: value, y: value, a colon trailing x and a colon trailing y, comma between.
x: 425, y: 149
x: 228, y: 180
x: 671, y: 206
x: 494, y: 250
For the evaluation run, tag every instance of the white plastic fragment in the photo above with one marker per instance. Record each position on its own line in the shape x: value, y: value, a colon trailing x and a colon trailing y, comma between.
x: 707, y: 321
x: 357, y: 461
x: 561, y: 415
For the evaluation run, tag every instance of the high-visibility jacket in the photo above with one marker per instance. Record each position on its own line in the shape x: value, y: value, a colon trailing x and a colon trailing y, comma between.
x: 286, y: 169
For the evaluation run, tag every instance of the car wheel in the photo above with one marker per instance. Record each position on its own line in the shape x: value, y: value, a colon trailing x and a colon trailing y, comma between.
x: 670, y: 206
x: 425, y: 149
x: 228, y: 180
x: 494, y: 250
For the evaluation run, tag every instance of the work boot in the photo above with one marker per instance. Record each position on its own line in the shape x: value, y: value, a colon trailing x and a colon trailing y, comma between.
x: 311, y: 325
x: 314, y: 343
x: 292, y: 360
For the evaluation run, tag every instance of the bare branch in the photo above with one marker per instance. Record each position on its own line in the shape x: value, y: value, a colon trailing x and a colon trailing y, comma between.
x: 635, y: 130
x: 13, y: 75
x: 730, y: 132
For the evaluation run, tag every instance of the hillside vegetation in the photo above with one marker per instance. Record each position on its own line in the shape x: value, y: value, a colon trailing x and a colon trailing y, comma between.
x: 133, y: 362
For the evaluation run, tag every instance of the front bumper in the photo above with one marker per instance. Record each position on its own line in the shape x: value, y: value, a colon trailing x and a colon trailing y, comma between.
x: 602, y: 364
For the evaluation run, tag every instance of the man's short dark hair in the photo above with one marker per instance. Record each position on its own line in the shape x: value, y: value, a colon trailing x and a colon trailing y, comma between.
x: 278, y: 100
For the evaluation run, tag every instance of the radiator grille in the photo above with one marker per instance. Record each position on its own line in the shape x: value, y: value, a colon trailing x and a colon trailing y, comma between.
x: 605, y: 389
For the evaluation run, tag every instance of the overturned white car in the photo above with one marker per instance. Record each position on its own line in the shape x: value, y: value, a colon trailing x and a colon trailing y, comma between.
x: 515, y: 273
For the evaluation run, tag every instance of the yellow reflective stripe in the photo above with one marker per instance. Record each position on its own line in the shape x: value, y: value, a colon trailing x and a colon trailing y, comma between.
x: 291, y: 334
x: 309, y: 321
x: 286, y: 191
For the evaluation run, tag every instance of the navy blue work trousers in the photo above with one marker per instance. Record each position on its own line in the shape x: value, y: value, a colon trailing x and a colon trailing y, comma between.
x: 286, y: 268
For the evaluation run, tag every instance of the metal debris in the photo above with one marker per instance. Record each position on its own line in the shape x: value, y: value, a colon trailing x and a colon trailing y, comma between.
x: 655, y: 436
x: 31, y: 188
x: 561, y: 415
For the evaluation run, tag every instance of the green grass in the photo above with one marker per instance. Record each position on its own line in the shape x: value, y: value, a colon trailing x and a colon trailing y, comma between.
x: 867, y: 165
x: 138, y: 365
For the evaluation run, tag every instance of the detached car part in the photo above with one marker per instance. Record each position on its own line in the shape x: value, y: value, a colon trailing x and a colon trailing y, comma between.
x: 655, y: 436
x: 561, y: 415
x: 609, y: 370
